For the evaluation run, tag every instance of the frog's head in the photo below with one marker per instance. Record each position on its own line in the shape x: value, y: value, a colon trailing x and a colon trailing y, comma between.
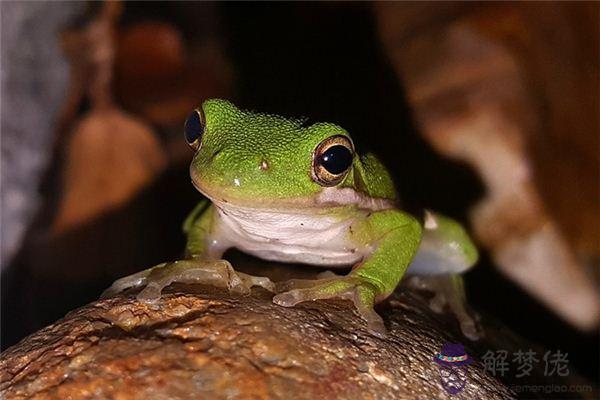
x: 257, y: 159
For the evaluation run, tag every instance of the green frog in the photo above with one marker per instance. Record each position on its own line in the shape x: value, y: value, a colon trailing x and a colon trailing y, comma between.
x: 289, y: 191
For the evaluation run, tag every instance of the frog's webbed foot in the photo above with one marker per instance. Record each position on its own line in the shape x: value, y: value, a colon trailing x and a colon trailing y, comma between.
x: 449, y: 290
x: 218, y: 273
x: 358, y: 290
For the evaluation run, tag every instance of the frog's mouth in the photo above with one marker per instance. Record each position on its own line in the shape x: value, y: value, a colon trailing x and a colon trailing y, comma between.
x: 220, y: 198
x: 329, y: 197
x: 221, y: 195
x: 205, y: 193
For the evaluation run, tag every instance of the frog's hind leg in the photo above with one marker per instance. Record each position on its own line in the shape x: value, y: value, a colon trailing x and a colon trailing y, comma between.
x: 445, y: 248
x: 449, y: 291
x: 217, y: 273
x: 445, y: 252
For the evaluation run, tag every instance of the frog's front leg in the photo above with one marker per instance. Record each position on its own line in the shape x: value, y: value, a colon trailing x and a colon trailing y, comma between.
x: 202, y: 265
x: 390, y: 239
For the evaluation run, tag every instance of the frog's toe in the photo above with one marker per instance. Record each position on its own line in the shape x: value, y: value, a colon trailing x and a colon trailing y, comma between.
x: 327, y: 274
x: 292, y: 284
x: 150, y: 293
x: 363, y: 297
x: 299, y: 290
x: 251, y: 280
x: 289, y: 298
x: 469, y: 328
x: 437, y: 303
x: 360, y: 292
x: 132, y: 281
x: 217, y: 273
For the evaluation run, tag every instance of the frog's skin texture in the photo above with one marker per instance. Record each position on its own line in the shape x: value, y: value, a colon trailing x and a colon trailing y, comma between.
x: 269, y: 197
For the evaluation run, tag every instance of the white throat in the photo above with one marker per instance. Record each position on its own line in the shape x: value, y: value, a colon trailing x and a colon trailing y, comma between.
x: 288, y: 235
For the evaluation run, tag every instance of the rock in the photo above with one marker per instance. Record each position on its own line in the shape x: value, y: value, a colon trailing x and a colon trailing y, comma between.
x: 199, y: 342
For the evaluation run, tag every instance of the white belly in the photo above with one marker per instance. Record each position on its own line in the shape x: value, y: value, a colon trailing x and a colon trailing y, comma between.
x: 288, y: 235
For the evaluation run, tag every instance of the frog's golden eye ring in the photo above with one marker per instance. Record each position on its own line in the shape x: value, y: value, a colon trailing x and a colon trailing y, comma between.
x: 332, y: 160
x: 194, y: 129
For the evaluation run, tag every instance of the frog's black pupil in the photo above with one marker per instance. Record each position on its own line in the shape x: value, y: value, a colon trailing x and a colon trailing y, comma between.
x: 336, y: 159
x: 193, y: 127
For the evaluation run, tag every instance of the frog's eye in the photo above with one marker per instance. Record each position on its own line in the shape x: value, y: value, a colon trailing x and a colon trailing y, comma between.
x: 332, y: 159
x: 194, y: 129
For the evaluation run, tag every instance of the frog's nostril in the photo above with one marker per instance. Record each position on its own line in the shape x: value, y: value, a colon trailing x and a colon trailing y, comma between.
x: 214, y: 155
x: 264, y: 165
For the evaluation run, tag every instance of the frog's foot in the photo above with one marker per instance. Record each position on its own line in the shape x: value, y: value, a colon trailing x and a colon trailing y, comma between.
x: 327, y: 274
x: 449, y: 290
x: 218, y: 273
x: 361, y: 292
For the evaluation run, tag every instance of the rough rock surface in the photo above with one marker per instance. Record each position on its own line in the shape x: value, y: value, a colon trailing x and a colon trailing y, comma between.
x: 199, y: 342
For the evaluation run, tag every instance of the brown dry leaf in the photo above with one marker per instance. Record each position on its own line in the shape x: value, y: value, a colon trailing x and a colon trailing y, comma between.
x: 161, y: 77
x: 150, y: 50
x: 476, y: 100
x: 110, y: 157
